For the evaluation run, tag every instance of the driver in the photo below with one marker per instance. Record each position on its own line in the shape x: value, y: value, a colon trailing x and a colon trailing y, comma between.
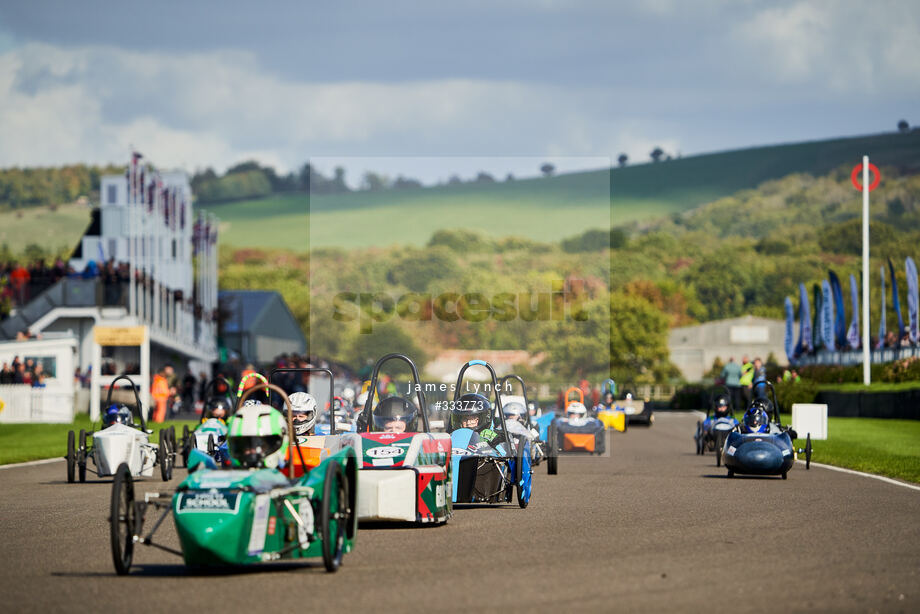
x: 257, y: 438
x: 395, y: 415
x: 217, y: 408
x: 576, y: 411
x: 471, y: 411
x: 756, y: 419
x: 516, y: 419
x: 721, y: 407
x: 303, y: 414
x: 117, y: 414
x: 607, y: 402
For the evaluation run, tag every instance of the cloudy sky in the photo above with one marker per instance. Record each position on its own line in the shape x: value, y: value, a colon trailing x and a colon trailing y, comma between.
x: 196, y: 84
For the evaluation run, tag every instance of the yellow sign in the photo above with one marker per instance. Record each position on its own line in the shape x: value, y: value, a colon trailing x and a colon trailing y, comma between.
x: 120, y: 335
x: 2, y: 405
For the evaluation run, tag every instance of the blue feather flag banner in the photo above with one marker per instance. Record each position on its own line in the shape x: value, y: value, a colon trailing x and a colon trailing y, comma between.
x: 895, y: 302
x: 805, y: 342
x: 853, y: 330
x: 790, y: 330
x: 819, y: 310
x: 839, y: 320
x: 827, y: 316
x: 881, y: 321
x: 912, y: 299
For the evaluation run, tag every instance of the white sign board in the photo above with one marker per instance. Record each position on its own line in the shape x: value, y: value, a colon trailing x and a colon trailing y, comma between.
x: 810, y: 418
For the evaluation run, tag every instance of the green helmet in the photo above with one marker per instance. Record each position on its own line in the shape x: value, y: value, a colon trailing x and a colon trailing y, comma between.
x: 257, y: 437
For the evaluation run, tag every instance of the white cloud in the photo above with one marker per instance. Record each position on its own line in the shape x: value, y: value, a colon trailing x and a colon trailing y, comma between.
x: 868, y: 48
x: 216, y: 108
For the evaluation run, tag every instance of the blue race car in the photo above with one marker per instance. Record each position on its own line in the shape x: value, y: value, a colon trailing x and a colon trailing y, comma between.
x: 761, y: 445
x: 714, y: 429
x: 487, y: 464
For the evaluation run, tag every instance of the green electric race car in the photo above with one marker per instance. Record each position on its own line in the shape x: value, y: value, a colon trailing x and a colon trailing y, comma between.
x: 252, y: 512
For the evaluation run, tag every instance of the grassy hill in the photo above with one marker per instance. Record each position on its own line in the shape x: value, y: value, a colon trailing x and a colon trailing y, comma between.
x: 546, y: 208
x: 543, y: 209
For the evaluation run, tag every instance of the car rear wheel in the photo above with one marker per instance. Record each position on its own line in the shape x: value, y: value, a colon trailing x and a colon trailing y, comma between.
x: 122, y: 520
x: 81, y: 457
x: 71, y: 457
x: 334, y: 516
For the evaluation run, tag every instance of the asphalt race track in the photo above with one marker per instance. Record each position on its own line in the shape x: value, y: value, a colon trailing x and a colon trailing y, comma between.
x: 651, y: 528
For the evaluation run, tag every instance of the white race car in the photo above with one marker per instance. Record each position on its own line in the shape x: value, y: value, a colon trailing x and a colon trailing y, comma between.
x: 120, y: 441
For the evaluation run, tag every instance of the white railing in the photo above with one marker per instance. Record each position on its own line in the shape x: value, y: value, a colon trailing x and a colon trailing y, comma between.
x: 22, y: 403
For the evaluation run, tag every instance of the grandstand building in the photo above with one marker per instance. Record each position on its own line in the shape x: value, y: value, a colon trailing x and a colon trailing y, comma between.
x: 141, y: 290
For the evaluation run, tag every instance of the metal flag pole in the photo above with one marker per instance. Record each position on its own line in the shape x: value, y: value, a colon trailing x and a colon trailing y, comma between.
x: 132, y: 255
x: 867, y: 372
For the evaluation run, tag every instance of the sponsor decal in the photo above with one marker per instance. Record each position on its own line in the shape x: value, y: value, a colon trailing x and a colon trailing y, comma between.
x: 787, y: 452
x: 208, y: 501
x: 271, y: 525
x: 487, y: 435
x: 440, y: 495
x: 259, y: 524
x: 731, y: 450
x: 460, y: 452
x: 384, y: 452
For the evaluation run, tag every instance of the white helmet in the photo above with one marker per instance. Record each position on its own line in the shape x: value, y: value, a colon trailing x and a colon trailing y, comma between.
x: 349, y: 395
x: 304, y: 413
x: 578, y: 409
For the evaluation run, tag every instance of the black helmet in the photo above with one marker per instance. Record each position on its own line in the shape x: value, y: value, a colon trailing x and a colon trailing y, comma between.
x: 117, y: 414
x: 756, y: 420
x: 216, y: 403
x: 395, y: 409
x: 721, y: 405
x: 471, y: 406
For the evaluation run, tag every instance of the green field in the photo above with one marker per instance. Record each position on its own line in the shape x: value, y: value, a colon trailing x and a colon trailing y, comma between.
x: 873, y: 445
x: 49, y: 229
x: 26, y: 442
x: 544, y: 208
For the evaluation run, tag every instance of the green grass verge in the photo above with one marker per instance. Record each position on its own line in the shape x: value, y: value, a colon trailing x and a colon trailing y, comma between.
x: 26, y: 442
x: 874, y: 445
x: 873, y: 387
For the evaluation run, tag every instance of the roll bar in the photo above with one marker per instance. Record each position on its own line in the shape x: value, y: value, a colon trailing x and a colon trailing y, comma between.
x: 290, y: 422
x: 501, y: 384
x: 365, y: 418
x: 498, y: 397
x: 137, y: 398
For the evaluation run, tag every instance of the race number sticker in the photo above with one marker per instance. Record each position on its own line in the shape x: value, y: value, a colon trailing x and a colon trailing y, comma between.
x: 259, y: 525
x: 305, y: 530
x: 385, y: 452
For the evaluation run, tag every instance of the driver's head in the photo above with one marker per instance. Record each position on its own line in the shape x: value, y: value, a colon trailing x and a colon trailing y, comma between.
x: 471, y: 411
x: 515, y: 410
x: 608, y: 398
x: 117, y: 414
x: 303, y: 412
x: 576, y: 410
x: 217, y: 407
x: 257, y: 437
x: 395, y: 415
x: 756, y: 419
x: 721, y: 406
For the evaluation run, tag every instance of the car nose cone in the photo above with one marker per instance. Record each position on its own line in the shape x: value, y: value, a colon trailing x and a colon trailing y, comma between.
x: 760, y: 456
